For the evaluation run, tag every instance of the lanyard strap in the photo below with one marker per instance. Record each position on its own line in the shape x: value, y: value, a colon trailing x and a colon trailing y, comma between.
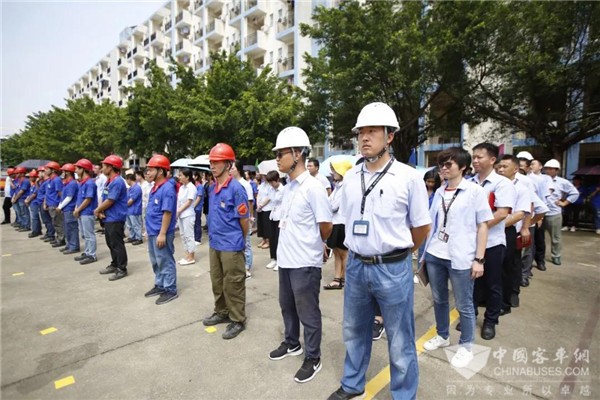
x: 372, y: 186
x: 446, y: 209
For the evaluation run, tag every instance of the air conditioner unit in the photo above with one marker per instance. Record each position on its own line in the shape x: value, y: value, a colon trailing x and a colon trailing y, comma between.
x: 280, y: 60
x: 186, y: 59
x: 284, y: 20
x: 285, y: 62
x: 279, y: 20
x: 185, y: 30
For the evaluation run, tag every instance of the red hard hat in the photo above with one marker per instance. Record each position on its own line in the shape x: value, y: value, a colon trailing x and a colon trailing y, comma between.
x: 159, y: 161
x: 41, y: 169
x: 221, y: 152
x: 53, y: 165
x: 10, y: 171
x: 85, y: 164
x: 33, y: 174
x: 68, y: 167
x: 113, y: 160
x: 20, y: 170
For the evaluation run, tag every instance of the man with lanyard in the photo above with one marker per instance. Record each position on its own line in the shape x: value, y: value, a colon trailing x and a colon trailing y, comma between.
x: 561, y: 193
x: 305, y: 223
x: 32, y: 201
x: 385, y: 209
x: 237, y: 171
x: 113, y: 211
x: 18, y: 200
x: 86, y: 203
x: 160, y: 227
x: 8, y: 190
x: 53, y: 195
x: 67, y: 206
x: 227, y: 230
x: 516, y: 229
x: 501, y: 195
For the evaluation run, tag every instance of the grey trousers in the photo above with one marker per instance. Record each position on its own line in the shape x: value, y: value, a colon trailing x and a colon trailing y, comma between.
x: 58, y: 221
x: 553, y: 226
x: 527, y: 255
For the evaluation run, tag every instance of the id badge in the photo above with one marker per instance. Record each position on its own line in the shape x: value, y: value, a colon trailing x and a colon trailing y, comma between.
x: 360, y: 228
x: 282, y: 224
x: 222, y: 204
x: 443, y: 236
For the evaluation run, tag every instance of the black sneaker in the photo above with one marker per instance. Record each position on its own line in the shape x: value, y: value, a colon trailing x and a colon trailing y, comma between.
x: 83, y: 256
x: 233, y: 329
x: 341, y: 394
x: 308, y: 370
x: 216, y: 319
x: 284, y: 350
x: 378, y: 330
x: 166, y: 297
x: 88, y: 260
x: 137, y: 242
x: 119, y: 274
x: 59, y: 244
x: 155, y: 291
x: 111, y: 269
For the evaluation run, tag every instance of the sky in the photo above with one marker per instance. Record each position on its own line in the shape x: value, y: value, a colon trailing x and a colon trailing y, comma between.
x: 48, y: 45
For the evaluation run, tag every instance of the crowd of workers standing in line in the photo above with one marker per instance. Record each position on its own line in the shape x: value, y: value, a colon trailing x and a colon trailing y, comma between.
x: 481, y: 232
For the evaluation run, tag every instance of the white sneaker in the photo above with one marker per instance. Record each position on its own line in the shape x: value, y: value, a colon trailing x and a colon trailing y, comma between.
x: 271, y: 264
x: 183, y: 261
x: 416, y: 280
x: 573, y: 229
x: 597, y: 231
x: 462, y: 358
x: 248, y: 274
x: 276, y: 267
x: 198, y: 243
x: 436, y: 342
x: 564, y: 228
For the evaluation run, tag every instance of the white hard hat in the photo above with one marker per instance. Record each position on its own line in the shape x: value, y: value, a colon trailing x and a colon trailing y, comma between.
x: 377, y: 114
x: 525, y: 154
x: 292, y: 136
x: 552, y: 164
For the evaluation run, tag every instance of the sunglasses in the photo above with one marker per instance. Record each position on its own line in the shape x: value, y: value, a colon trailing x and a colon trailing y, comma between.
x: 447, y: 165
x: 280, y: 154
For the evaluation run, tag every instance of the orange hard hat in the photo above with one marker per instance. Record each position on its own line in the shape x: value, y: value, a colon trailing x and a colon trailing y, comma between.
x: 113, y: 160
x: 159, y: 161
x: 33, y: 174
x: 85, y: 164
x: 68, y: 167
x: 20, y: 170
x: 53, y: 165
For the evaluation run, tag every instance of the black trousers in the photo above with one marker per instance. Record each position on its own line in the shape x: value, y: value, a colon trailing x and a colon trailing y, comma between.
x: 488, y: 288
x: 6, y: 207
x: 511, y: 269
x: 114, y: 232
x: 539, y: 243
x: 274, y: 239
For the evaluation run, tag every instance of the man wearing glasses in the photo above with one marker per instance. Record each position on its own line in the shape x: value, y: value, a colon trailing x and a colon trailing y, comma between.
x: 305, y: 223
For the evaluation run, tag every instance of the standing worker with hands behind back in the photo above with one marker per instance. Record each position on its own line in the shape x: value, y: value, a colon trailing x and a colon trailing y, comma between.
x: 385, y: 211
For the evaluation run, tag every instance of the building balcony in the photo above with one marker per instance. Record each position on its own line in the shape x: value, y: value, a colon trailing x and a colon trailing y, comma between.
x: 285, y: 29
x: 215, y: 5
x: 168, y: 26
x: 157, y: 37
x: 184, y: 18
x: 199, y: 64
x: 184, y: 47
x: 185, y: 31
x: 215, y: 31
x: 198, y: 35
x: 163, y: 12
x: 139, y: 31
x: 122, y: 64
x: 255, y: 44
x: 285, y: 65
x: 198, y: 6
x: 235, y: 10
x: 139, y: 53
x: 256, y: 8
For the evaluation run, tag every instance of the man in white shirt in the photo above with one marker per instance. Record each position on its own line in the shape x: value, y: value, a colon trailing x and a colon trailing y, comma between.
x: 313, y: 168
x: 8, y: 192
x: 305, y: 222
x: 236, y: 171
x: 100, y: 183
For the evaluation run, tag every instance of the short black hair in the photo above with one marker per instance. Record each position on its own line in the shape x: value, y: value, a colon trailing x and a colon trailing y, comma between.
x: 239, y: 165
x: 457, y: 154
x: 272, y: 176
x: 512, y: 158
x: 314, y: 161
x: 131, y: 177
x: 527, y: 161
x: 491, y: 149
x: 139, y: 173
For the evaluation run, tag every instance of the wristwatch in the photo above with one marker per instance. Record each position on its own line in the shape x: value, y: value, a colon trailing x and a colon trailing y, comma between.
x: 479, y: 260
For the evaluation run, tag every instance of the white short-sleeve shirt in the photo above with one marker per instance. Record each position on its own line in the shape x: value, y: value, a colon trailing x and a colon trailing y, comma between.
x: 186, y: 192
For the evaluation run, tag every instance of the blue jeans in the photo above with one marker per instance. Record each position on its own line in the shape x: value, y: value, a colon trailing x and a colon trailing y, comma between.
x: 47, y: 220
x: 439, y: 271
x: 391, y: 285
x: 17, y: 208
x: 134, y: 224
x: 86, y: 226
x: 71, y: 231
x: 248, y: 252
x: 198, y: 227
x: 36, y: 224
x: 163, y: 263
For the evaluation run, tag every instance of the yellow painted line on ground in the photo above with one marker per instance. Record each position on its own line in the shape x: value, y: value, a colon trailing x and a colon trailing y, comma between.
x: 211, y: 329
x: 61, y: 383
x: 382, y: 379
x: 48, y: 331
x: 18, y: 273
x: 6, y: 255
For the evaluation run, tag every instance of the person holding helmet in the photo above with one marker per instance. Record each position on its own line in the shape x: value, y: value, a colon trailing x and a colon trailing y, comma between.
x: 18, y: 200
x: 384, y: 204
x: 561, y: 193
x: 227, y: 229
x: 8, y: 190
x: 32, y: 201
x: 160, y: 228
x: 53, y: 195
x: 113, y: 211
x: 86, y: 203
x: 304, y: 225
x: 67, y: 206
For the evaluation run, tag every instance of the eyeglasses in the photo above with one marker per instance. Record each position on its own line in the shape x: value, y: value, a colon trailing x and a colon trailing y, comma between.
x: 280, y: 154
x: 447, y: 165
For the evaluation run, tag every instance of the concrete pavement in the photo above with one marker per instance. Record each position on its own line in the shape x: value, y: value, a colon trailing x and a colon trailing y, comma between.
x: 116, y: 344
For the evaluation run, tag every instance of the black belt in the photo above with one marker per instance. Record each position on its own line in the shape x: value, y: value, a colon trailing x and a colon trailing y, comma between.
x: 394, y: 256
